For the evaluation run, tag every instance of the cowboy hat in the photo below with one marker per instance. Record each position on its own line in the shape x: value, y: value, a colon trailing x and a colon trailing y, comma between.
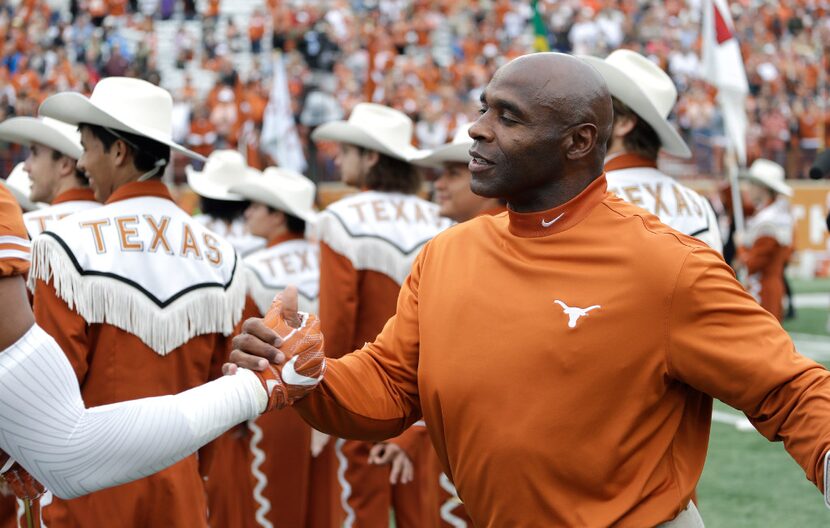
x: 56, y: 135
x: 222, y: 169
x: 770, y: 175
x: 647, y: 90
x: 455, y: 152
x: 282, y: 189
x: 20, y: 186
x: 120, y: 103
x: 374, y: 127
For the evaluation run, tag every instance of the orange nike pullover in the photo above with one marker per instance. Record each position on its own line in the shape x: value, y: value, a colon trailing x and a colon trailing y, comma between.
x: 600, y: 418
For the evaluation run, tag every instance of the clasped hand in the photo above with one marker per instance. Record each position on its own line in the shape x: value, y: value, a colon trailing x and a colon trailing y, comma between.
x: 284, y: 348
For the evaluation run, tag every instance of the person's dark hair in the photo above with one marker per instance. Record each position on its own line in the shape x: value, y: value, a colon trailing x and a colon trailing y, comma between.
x: 226, y: 210
x: 146, y: 152
x: 294, y: 224
x: 642, y: 139
x: 393, y: 175
x: 80, y: 176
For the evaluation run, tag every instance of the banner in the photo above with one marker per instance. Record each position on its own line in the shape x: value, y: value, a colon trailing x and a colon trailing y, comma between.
x: 279, y: 136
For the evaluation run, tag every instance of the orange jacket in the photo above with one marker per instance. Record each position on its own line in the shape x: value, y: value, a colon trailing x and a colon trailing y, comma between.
x: 578, y: 363
x: 15, y: 250
x: 114, y: 365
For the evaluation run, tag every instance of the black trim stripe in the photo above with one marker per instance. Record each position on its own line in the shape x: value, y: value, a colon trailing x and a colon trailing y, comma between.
x: 119, y: 278
x: 281, y: 286
x: 394, y: 245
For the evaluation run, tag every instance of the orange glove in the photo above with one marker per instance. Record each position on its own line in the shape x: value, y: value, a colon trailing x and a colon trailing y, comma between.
x: 302, y: 344
x: 23, y: 485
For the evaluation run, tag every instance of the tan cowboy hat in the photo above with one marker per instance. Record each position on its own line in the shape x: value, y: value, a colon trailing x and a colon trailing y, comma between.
x: 770, y: 175
x: 374, y: 127
x: 646, y: 89
x: 50, y: 132
x: 20, y: 186
x: 282, y: 189
x: 455, y: 152
x: 222, y: 169
x: 123, y: 104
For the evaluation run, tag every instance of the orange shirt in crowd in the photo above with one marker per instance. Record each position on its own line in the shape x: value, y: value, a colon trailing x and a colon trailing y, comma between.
x: 577, y: 364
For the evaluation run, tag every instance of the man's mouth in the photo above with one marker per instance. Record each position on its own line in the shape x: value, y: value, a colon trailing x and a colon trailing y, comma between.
x: 479, y: 162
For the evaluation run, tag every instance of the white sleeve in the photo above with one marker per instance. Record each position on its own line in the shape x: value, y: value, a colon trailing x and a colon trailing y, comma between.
x: 73, y: 450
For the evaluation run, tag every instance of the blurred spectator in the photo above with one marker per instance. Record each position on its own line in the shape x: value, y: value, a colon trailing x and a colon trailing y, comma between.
x: 429, y: 58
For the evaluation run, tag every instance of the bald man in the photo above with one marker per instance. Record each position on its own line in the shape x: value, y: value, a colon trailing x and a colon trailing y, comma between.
x: 564, y: 356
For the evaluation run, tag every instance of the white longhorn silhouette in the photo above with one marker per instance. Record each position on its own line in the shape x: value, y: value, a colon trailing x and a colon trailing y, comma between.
x: 574, y: 313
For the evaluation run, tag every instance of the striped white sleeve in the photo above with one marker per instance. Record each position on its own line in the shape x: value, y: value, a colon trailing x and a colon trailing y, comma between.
x: 73, y: 450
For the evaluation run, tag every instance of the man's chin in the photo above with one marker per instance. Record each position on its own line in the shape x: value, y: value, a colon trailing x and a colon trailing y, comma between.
x: 484, y: 190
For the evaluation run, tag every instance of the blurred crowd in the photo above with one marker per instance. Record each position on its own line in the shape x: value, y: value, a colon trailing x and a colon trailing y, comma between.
x: 429, y: 59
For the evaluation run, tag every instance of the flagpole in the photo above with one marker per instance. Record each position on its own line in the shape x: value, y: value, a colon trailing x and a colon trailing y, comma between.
x: 732, y: 171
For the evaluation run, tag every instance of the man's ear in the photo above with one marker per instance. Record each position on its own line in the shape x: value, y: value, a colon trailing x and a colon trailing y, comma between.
x: 623, y: 125
x: 66, y: 167
x: 371, y: 158
x: 121, y: 153
x: 581, y: 141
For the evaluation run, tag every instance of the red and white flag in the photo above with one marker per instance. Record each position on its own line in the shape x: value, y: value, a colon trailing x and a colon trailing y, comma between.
x: 723, y: 67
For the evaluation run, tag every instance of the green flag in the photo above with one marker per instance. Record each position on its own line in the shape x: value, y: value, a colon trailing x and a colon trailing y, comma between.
x: 540, y: 32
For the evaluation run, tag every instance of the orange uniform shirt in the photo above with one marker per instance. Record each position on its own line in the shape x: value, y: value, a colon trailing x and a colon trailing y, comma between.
x: 577, y: 362
x: 114, y: 365
x: 15, y: 249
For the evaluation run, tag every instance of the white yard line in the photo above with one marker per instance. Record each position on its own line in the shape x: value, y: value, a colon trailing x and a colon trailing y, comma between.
x: 812, y: 300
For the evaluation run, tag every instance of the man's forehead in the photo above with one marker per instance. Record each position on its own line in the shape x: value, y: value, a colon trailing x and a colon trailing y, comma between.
x: 528, y: 95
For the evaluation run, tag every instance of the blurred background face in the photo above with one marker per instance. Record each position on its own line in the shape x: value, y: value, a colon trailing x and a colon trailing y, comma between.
x: 44, y: 172
x: 352, y: 164
x: 261, y: 221
x: 453, y: 195
x: 759, y: 195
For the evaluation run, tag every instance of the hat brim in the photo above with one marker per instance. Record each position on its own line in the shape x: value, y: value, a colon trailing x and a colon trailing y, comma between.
x: 74, y: 108
x: 261, y: 192
x: 28, y: 130
x: 207, y: 189
x: 452, y: 153
x: 776, y: 185
x: 626, y: 90
x: 344, y: 132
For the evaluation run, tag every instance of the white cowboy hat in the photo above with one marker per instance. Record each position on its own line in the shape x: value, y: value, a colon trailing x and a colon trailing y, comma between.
x: 20, y: 186
x: 123, y: 104
x: 374, y: 127
x: 282, y: 189
x: 222, y: 169
x: 50, y: 132
x: 646, y: 89
x: 770, y: 175
x: 455, y: 152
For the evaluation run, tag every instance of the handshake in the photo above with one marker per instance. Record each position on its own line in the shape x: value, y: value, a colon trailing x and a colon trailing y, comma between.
x: 284, y: 349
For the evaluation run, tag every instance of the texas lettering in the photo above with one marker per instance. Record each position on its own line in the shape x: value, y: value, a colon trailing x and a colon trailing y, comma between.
x: 152, y: 234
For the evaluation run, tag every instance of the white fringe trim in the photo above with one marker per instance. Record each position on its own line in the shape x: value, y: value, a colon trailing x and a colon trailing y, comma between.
x: 263, y: 296
x: 106, y: 300
x: 367, y: 253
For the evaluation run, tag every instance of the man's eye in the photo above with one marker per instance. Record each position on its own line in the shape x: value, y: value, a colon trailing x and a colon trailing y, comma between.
x: 482, y: 110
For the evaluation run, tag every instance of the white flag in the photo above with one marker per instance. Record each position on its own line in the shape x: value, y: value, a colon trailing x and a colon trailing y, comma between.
x: 723, y: 67
x: 279, y: 133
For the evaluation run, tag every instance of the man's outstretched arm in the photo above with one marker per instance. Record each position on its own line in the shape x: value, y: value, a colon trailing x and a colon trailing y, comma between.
x: 370, y: 394
x: 72, y: 450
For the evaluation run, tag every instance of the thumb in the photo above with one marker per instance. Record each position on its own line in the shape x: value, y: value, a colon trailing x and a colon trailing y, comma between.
x: 289, y: 306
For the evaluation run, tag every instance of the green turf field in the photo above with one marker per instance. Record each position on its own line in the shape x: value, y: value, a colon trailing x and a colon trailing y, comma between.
x: 750, y: 482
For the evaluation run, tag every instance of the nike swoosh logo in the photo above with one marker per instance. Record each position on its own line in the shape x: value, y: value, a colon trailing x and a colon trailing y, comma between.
x: 548, y: 224
x: 291, y: 377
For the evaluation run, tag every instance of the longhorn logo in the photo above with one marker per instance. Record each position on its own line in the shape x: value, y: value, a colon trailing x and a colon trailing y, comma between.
x: 574, y: 313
